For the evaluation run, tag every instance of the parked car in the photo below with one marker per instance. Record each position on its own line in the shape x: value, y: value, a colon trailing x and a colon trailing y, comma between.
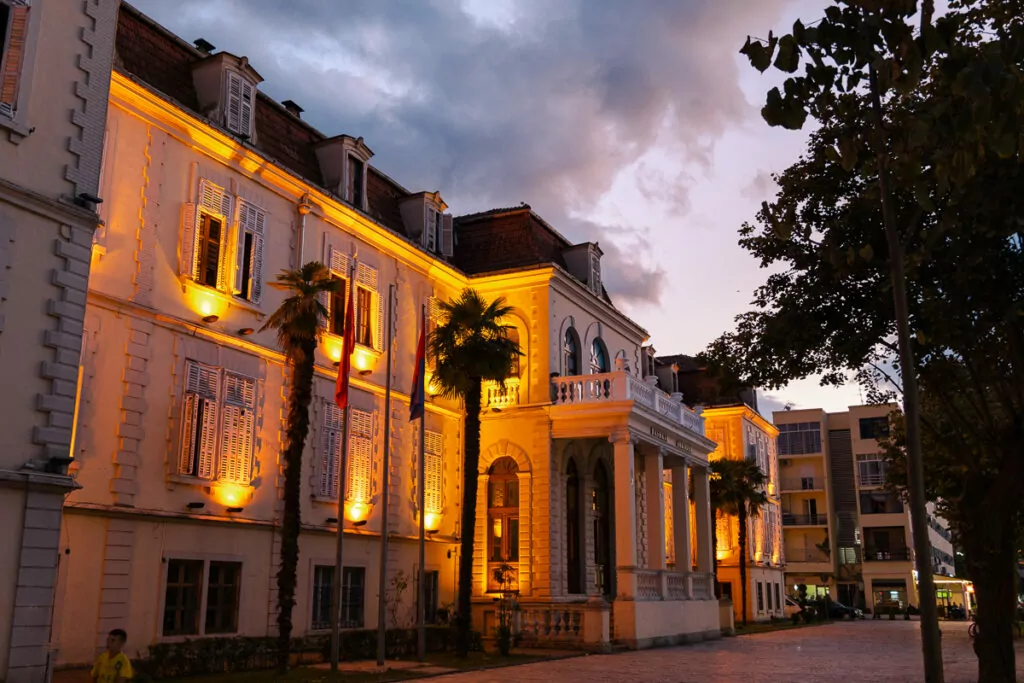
x: 837, y: 610
x: 792, y: 607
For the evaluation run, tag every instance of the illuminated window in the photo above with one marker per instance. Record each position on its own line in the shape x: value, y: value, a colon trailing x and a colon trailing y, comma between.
x: 503, y: 511
x: 369, y: 309
x: 205, y: 451
x: 433, y: 466
x: 360, y: 457
x: 13, y: 42
x: 513, y: 335
x: 336, y: 308
x: 252, y: 222
x: 211, y: 244
x: 364, y: 317
x: 339, y: 265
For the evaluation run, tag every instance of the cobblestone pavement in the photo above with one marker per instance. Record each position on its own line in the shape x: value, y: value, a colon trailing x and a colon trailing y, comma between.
x: 854, y: 652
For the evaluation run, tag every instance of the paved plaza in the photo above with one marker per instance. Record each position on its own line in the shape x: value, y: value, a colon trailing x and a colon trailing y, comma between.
x: 855, y: 652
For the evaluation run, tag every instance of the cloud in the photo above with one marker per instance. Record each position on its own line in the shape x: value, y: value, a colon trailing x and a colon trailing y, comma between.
x: 531, y: 101
x: 761, y: 188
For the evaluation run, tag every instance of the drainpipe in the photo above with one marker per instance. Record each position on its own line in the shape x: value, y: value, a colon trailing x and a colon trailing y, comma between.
x: 305, y: 206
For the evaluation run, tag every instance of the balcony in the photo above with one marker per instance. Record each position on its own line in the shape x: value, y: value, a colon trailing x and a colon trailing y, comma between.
x: 794, y: 484
x: 887, y: 555
x: 872, y: 479
x: 611, y: 387
x: 807, y: 555
x: 804, y: 520
x: 498, y: 399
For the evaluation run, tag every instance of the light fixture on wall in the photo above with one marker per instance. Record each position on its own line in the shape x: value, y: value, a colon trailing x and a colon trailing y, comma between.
x: 212, y: 318
x: 245, y: 331
x: 331, y: 520
x: 234, y: 509
x: 364, y: 373
x: 197, y: 505
x: 361, y: 522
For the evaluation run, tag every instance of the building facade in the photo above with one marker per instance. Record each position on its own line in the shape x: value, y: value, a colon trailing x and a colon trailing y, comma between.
x: 845, y: 534
x: 740, y: 432
x: 214, y: 188
x: 54, y: 73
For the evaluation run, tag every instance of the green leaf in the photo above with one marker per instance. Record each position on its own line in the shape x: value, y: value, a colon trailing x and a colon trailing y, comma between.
x: 788, y: 58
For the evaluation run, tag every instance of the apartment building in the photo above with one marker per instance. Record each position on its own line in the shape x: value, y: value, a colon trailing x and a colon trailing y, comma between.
x: 213, y: 188
x: 54, y: 72
x: 844, y: 534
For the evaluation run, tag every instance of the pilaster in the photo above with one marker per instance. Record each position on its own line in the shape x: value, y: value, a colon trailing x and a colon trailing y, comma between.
x: 655, y: 492
x: 623, y: 476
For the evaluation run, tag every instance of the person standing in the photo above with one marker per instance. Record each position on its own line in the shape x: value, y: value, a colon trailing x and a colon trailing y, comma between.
x: 113, y: 666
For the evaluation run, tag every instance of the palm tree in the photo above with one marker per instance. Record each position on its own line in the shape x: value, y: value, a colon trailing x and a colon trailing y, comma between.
x: 297, y: 321
x: 470, y: 345
x: 737, y: 488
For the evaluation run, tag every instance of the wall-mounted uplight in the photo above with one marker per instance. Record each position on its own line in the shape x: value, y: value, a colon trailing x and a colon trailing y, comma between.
x: 196, y: 505
x: 432, y: 522
x: 211, y: 318
x: 357, y: 512
x: 361, y: 522
x: 234, y: 509
x: 245, y: 331
x: 331, y: 520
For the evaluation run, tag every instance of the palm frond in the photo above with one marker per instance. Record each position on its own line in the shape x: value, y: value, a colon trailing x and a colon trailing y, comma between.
x: 297, y: 319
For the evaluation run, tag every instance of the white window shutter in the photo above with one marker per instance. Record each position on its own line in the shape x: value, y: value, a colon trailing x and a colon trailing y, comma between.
x: 245, y: 118
x: 214, y: 200
x: 233, y: 110
x: 189, y: 239
x: 256, y: 270
x: 427, y: 238
x: 189, y: 418
x: 239, y: 428
x: 330, y: 456
x: 338, y: 263
x: 202, y: 388
x: 433, y: 461
x: 208, y: 440
x: 366, y: 276
x: 360, y: 457
x: 251, y: 220
x: 448, y: 235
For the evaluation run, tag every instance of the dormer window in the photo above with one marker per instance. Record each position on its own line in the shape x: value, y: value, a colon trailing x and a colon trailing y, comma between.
x: 595, y: 271
x: 355, y: 182
x: 425, y: 220
x: 344, y: 161
x: 435, y: 234
x: 241, y: 101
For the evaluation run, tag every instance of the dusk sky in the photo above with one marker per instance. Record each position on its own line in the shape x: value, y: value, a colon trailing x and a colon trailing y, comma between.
x: 633, y: 124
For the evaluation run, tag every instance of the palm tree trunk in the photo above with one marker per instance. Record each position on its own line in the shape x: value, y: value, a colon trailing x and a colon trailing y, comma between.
x: 470, y: 483
x: 743, y: 560
x: 296, y: 430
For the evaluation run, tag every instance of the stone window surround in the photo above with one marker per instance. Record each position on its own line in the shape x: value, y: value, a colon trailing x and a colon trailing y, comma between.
x: 206, y: 558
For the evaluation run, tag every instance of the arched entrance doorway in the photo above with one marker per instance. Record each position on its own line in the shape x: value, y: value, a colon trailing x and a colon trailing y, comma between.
x: 502, y: 517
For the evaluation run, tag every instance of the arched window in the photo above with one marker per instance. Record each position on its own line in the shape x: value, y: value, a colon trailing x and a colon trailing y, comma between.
x: 571, y: 353
x: 503, y: 511
x: 601, y: 504
x: 513, y: 336
x: 573, y: 513
x: 598, y: 357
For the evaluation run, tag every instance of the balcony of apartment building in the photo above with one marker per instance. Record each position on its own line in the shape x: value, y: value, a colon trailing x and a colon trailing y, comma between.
x: 808, y: 550
x: 880, y: 508
x: 886, y: 544
x: 804, y: 508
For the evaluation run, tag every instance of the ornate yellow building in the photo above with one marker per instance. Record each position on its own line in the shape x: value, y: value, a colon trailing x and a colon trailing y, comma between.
x: 211, y: 189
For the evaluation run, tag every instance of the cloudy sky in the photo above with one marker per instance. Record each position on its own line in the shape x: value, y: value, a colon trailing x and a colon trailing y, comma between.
x: 634, y: 124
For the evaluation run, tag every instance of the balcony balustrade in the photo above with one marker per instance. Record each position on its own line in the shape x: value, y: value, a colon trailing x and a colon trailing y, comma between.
x: 804, y: 520
x: 887, y: 555
x: 623, y: 386
x: 790, y: 484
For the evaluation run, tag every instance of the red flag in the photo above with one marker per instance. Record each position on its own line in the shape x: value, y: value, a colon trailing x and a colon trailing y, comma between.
x: 345, y: 362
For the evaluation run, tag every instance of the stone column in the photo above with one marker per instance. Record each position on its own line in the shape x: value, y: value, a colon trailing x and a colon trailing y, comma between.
x: 625, y: 512
x: 702, y: 502
x: 655, y: 491
x: 681, y: 514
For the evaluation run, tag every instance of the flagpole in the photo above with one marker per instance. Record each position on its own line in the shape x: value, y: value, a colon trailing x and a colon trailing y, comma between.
x: 342, y: 480
x: 382, y: 583
x: 421, y: 606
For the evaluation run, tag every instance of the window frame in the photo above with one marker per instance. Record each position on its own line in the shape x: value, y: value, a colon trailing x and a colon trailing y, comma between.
x: 231, y: 76
x: 506, y: 514
x: 355, y: 187
x: 571, y: 353
x: 201, y: 608
x: 13, y: 115
x: 600, y: 363
x: 873, y: 428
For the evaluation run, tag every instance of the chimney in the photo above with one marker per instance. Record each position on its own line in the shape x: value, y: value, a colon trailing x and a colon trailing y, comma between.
x: 292, y: 108
x: 204, y: 46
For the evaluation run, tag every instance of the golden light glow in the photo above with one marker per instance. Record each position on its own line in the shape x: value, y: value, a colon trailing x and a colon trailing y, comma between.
x: 205, y: 301
x: 432, y: 522
x: 332, y: 347
x: 432, y: 388
x: 230, y: 495
x: 722, y: 554
x: 363, y: 359
x: 497, y: 528
x: 356, y: 512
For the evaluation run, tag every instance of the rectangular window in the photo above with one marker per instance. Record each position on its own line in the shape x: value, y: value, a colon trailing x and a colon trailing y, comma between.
x: 800, y: 438
x: 364, y: 317
x: 218, y: 424
x: 760, y: 596
x: 323, y: 578
x: 871, y: 470
x: 238, y: 112
x: 353, y: 589
x: 430, y: 588
x: 778, y: 602
x: 336, y: 308
x: 222, y: 597
x: 432, y: 229
x: 513, y: 336
x: 433, y: 463
x: 210, y: 244
x: 874, y: 427
x: 182, y: 597
x: 249, y: 251
x: 13, y: 41
x: 354, y: 187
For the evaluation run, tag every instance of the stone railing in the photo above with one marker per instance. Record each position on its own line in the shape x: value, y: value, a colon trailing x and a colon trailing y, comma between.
x: 497, y: 398
x: 677, y: 586
x: 702, y: 586
x: 648, y: 584
x: 551, y: 623
x: 623, y: 386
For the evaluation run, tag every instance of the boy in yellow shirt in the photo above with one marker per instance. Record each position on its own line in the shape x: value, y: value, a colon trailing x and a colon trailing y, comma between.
x: 113, y: 666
